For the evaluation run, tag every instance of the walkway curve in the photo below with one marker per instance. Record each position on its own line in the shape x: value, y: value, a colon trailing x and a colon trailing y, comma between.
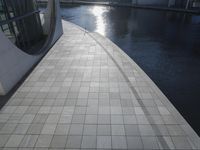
x: 87, y: 93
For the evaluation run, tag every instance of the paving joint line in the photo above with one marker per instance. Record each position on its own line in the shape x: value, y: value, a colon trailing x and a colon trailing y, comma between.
x: 147, y: 114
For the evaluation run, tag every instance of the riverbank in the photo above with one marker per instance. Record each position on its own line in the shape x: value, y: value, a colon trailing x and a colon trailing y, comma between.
x: 161, y: 8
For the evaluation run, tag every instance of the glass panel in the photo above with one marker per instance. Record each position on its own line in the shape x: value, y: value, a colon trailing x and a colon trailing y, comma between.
x: 2, y: 13
x: 20, y: 7
x: 24, y: 31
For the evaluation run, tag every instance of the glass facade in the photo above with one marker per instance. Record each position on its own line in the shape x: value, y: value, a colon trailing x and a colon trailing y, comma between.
x: 20, y: 21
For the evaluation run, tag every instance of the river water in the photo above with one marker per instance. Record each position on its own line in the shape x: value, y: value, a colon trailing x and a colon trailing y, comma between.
x: 166, y: 45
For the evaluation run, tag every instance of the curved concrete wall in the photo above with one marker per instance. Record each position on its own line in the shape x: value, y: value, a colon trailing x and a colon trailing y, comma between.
x: 14, y: 63
x: 48, y: 17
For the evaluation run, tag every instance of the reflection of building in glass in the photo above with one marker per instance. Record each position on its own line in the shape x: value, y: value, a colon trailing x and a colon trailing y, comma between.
x: 20, y: 21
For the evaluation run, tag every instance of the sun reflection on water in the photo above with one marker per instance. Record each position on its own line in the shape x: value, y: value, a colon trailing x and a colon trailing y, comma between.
x: 98, y: 12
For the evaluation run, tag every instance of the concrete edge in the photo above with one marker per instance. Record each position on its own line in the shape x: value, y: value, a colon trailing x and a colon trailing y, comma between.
x: 185, y: 126
x: 194, y: 138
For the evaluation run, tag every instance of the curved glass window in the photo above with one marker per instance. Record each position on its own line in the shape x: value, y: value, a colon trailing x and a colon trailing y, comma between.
x: 20, y: 22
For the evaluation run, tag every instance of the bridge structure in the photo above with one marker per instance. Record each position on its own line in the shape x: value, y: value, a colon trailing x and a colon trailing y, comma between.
x: 85, y: 93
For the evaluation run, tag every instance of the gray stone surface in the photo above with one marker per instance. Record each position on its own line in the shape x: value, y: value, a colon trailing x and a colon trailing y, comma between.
x: 89, y: 142
x: 59, y: 141
x: 87, y: 94
x: 29, y: 141
x: 44, y: 141
x: 104, y: 142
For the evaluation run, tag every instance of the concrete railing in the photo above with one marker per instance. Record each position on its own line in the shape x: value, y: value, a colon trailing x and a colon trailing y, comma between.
x: 14, y: 63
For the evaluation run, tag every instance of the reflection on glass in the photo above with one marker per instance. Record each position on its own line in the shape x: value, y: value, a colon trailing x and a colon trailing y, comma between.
x: 98, y: 12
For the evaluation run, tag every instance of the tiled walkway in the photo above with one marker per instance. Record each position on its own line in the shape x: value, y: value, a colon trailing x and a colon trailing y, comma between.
x: 87, y: 94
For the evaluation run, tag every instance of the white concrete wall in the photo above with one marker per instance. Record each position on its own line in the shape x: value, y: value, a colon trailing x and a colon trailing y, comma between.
x: 14, y: 63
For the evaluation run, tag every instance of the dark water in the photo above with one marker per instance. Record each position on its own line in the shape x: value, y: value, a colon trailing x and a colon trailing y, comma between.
x: 166, y: 45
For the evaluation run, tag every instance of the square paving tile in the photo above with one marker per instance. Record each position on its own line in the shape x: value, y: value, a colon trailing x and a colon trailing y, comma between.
x: 90, y: 130
x: 150, y: 142
x: 14, y: 141
x: 181, y: 142
x: 104, y: 119
x: 62, y: 129
x: 146, y: 130
x: 44, y: 141
x: 29, y: 141
x: 117, y: 119
x: 134, y: 142
x: 27, y: 118
x: 78, y: 119
x: 130, y: 119
x: 91, y: 119
x: 104, y: 142
x: 74, y: 142
x: 8, y: 128
x: 89, y: 142
x: 58, y: 141
x: 40, y: 118
x: 76, y: 129
x: 35, y: 129
x: 119, y: 142
x: 52, y: 118
x: 104, y: 110
x: 48, y: 128
x: 117, y: 129
x: 3, y: 139
x: 132, y: 130
x: 103, y: 130
x: 65, y: 119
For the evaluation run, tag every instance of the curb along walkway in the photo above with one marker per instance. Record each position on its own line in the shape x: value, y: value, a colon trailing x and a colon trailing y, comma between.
x: 86, y: 93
